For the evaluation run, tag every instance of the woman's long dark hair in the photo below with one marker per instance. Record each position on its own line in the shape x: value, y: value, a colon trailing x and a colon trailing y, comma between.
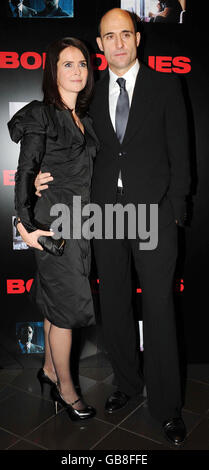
x: 49, y: 85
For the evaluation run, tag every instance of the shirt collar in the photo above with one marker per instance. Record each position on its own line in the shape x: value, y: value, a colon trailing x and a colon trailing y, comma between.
x: 129, y: 76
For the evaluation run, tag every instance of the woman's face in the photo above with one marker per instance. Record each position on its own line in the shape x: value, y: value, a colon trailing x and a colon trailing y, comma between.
x: 72, y: 71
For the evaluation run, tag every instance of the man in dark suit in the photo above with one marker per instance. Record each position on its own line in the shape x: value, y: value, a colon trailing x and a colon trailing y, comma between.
x: 147, y: 163
x: 18, y: 9
x: 25, y: 344
x: 141, y: 123
x: 52, y: 9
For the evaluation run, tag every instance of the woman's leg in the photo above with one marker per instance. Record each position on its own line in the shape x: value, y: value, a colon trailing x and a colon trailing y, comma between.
x: 60, y: 340
x: 48, y: 362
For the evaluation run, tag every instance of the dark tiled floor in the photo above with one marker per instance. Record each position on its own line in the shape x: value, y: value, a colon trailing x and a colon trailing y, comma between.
x: 27, y: 420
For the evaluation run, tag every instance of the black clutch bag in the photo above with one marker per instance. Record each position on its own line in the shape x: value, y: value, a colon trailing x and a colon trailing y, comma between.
x: 52, y: 246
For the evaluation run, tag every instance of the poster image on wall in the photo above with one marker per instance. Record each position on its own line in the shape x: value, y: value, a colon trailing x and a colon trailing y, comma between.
x: 18, y: 243
x: 30, y: 337
x: 157, y: 11
x: 40, y: 8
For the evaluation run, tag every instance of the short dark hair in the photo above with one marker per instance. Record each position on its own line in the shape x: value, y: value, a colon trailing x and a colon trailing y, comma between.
x: 49, y: 85
x: 23, y: 328
x: 134, y: 18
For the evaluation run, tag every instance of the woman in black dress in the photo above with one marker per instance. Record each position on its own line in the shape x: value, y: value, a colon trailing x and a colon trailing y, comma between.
x: 57, y: 136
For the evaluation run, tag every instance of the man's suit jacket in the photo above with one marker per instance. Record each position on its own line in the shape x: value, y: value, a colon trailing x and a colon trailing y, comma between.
x: 154, y: 154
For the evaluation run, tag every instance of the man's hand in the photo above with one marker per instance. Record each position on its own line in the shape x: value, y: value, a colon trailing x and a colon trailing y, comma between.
x: 31, y: 239
x: 40, y: 182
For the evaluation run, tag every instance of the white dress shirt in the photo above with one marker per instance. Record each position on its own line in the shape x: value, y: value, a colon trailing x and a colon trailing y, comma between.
x: 114, y: 92
x: 16, y: 11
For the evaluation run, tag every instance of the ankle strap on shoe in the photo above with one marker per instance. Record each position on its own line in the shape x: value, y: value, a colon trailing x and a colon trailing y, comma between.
x: 76, y: 401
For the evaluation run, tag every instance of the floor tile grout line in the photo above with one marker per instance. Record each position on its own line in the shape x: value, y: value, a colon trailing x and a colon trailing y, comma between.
x: 10, y: 432
x: 199, y: 421
x: 24, y: 436
x: 126, y: 430
x: 40, y: 447
x: 6, y: 398
x: 14, y: 387
x: 60, y: 411
x: 105, y: 421
x: 19, y: 371
x: 198, y: 381
x: 36, y: 395
x: 131, y: 412
x: 202, y: 417
x: 195, y: 426
x: 12, y: 445
x: 142, y: 435
x: 43, y: 423
x: 97, y: 382
x: 18, y: 436
x: 51, y: 417
x: 6, y: 372
x: 19, y: 389
x: 190, y: 411
x: 114, y: 428
x: 203, y: 413
x: 102, y: 438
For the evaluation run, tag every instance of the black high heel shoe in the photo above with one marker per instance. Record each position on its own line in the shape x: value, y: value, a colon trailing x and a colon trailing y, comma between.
x: 86, y: 413
x: 44, y: 379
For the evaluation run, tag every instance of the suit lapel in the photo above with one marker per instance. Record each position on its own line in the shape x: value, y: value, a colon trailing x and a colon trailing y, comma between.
x: 140, y: 105
x: 103, y: 110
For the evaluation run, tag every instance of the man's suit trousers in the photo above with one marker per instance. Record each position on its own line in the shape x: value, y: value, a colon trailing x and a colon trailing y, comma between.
x: 155, y: 270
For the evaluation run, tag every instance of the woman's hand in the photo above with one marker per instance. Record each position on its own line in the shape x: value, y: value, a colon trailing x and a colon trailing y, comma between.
x: 40, y: 182
x: 31, y: 239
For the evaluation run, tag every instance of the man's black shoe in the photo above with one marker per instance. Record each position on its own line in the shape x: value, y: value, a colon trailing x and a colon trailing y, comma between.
x: 116, y: 401
x: 175, y: 431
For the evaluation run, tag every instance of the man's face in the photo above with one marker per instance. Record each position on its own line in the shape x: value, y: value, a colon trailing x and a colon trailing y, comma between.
x: 118, y: 40
x: 27, y: 335
x: 51, y: 3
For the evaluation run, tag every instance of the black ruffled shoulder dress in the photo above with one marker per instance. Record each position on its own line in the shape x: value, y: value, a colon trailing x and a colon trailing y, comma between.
x: 51, y: 142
